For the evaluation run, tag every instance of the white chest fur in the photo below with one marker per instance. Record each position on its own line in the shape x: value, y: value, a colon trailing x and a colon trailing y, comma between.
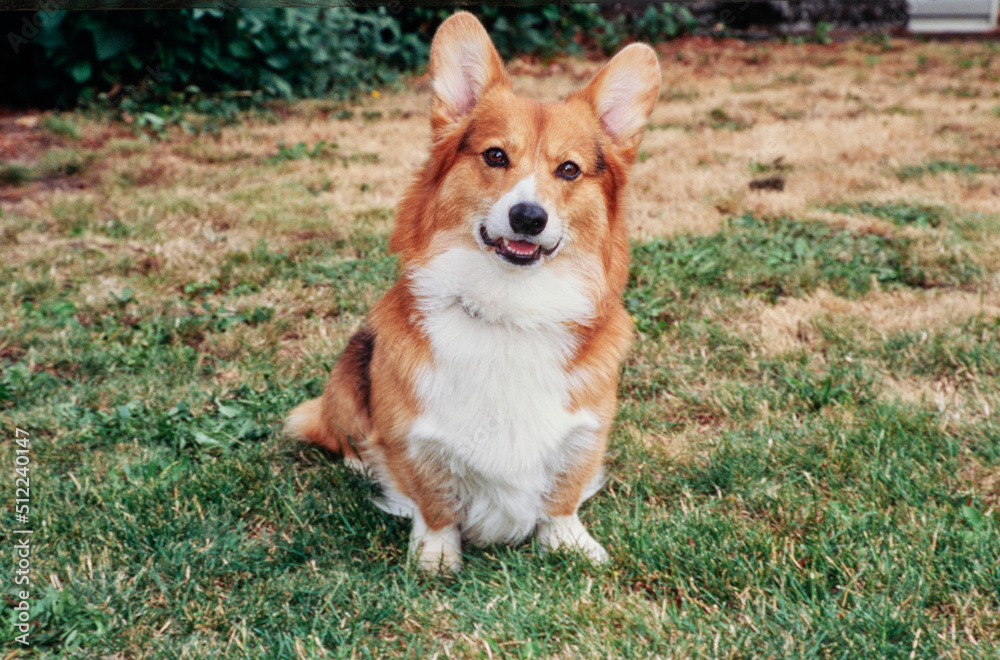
x: 495, y: 397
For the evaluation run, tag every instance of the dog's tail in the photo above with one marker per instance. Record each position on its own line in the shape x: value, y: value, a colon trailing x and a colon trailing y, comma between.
x: 340, y: 418
x: 305, y: 422
x: 312, y: 422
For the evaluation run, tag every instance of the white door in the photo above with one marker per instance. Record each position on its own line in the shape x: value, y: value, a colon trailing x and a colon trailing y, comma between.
x: 953, y: 15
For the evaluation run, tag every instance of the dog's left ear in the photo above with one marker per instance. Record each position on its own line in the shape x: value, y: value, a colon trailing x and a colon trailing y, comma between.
x: 464, y: 64
x: 622, y: 95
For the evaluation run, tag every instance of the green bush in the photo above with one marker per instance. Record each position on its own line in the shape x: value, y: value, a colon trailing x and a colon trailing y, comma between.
x: 143, y: 56
x: 548, y: 30
x: 141, y: 60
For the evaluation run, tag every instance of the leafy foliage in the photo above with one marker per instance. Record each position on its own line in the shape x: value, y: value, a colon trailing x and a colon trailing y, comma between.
x: 140, y: 61
x: 137, y: 57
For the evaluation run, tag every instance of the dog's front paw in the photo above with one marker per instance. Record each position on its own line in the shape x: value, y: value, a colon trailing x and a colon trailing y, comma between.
x: 436, y: 551
x: 568, y: 532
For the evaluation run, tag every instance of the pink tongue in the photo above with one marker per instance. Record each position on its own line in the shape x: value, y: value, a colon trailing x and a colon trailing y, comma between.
x: 521, y: 247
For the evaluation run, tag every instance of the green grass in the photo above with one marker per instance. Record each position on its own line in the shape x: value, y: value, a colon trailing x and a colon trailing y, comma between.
x: 934, y: 167
x: 775, y: 258
x: 55, y: 163
x: 805, y: 462
x: 300, y: 151
x: 899, y: 213
x: 816, y: 515
x: 971, y: 349
x: 61, y: 125
x: 720, y: 120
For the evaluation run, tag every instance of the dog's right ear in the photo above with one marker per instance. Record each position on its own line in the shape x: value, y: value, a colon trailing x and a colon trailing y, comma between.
x: 464, y: 64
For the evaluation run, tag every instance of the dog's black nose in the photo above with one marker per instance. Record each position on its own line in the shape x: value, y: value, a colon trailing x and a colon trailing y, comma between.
x: 528, y: 218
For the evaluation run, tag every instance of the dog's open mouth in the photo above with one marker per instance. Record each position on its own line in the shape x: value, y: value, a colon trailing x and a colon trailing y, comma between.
x: 521, y: 253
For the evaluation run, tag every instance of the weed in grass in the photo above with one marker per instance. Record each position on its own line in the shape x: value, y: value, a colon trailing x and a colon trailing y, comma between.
x: 191, y: 111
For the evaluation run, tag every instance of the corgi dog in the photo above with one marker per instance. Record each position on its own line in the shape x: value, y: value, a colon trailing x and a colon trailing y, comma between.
x: 481, y: 392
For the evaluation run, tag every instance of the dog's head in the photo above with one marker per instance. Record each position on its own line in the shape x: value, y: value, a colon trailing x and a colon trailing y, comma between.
x: 523, y: 180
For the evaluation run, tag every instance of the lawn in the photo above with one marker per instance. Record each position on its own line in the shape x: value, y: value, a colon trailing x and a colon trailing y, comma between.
x: 806, y: 462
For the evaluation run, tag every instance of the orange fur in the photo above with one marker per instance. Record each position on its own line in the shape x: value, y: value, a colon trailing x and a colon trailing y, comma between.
x: 378, y: 392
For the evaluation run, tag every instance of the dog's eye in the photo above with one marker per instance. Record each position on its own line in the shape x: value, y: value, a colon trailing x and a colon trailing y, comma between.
x: 568, y: 170
x: 495, y: 157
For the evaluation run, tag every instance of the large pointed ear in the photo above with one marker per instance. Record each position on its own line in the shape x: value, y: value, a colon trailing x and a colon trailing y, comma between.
x: 623, y: 93
x: 464, y: 64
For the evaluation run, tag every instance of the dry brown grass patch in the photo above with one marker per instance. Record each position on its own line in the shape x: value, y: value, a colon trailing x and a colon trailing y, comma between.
x: 984, y: 481
x: 792, y: 324
x: 843, y: 140
x: 681, y: 446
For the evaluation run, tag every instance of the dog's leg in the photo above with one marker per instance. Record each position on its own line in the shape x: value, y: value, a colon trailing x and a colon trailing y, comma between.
x: 435, y: 539
x: 560, y: 527
x: 436, y: 550
x: 555, y: 532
